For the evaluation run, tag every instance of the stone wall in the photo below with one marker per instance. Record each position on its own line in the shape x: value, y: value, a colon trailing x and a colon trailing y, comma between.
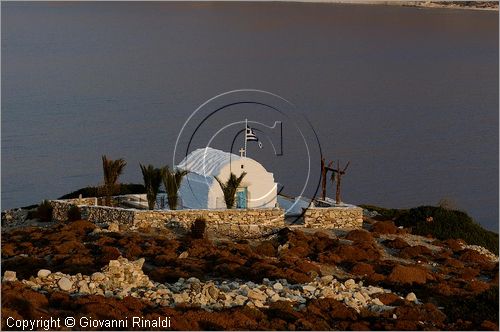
x: 93, y: 213
x: 82, y: 201
x: 334, y: 217
x: 233, y: 222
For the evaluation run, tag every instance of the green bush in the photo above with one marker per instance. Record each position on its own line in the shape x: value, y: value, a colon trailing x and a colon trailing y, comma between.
x: 384, y: 213
x: 124, y: 189
x: 74, y: 213
x: 44, y: 211
x: 448, y: 224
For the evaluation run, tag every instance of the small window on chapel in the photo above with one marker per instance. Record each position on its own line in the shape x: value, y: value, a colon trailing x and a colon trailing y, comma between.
x: 242, y: 166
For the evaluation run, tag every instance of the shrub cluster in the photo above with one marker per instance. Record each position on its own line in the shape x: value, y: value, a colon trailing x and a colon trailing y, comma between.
x: 446, y: 224
x: 44, y: 211
x: 198, y: 228
x: 74, y: 213
x: 124, y: 189
x: 485, y: 307
x: 384, y: 212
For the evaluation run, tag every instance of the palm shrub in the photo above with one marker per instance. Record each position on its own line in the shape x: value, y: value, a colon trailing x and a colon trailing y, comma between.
x: 172, y: 181
x: 112, y: 170
x: 229, y: 188
x: 152, y: 180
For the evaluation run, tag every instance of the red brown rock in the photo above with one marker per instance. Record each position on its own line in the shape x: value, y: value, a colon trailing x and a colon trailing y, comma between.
x: 408, y: 275
x: 362, y: 269
x: 385, y: 227
x: 397, y: 243
x: 414, y: 251
x: 359, y: 235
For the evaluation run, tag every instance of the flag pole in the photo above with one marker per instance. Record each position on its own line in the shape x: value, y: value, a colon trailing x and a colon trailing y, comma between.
x: 246, y: 131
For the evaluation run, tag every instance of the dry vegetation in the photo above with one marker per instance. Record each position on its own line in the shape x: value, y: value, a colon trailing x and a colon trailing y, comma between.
x: 447, y: 278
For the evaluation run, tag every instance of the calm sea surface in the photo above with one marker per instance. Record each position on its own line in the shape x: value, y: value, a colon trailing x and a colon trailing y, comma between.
x: 409, y: 96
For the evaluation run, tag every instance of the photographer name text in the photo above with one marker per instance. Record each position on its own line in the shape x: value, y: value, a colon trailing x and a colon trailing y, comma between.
x: 87, y: 323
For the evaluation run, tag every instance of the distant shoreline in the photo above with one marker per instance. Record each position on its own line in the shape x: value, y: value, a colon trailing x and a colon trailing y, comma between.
x: 415, y: 4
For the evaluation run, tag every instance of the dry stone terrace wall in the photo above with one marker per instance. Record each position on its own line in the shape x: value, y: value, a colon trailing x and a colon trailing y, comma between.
x: 94, y: 213
x: 236, y: 223
x: 233, y: 222
x: 334, y: 217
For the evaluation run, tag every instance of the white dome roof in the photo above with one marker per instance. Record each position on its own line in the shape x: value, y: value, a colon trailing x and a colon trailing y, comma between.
x: 207, y: 161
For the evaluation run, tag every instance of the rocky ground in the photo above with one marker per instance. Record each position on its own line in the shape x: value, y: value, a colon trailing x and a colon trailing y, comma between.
x: 379, y: 278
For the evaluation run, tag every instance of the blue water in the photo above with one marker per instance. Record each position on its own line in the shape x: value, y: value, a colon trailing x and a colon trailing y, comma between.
x: 409, y: 96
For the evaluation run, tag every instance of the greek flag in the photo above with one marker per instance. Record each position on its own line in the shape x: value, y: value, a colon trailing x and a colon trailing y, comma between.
x: 251, y: 137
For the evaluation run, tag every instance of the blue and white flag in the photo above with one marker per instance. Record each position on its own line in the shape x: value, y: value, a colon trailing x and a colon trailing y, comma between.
x: 251, y: 137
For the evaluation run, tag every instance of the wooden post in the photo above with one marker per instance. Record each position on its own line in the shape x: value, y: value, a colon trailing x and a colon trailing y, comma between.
x: 323, y: 179
x: 339, y: 173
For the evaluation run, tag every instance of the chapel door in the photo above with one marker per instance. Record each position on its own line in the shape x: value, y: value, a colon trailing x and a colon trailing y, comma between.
x: 241, y: 198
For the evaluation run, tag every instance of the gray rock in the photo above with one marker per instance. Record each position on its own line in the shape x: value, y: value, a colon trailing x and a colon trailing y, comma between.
x: 192, y: 280
x: 65, y: 284
x: 350, y: 283
x: 9, y: 276
x: 411, y: 297
x: 358, y: 296
x: 83, y: 287
x: 327, y: 279
x: 184, y: 297
x: 251, y: 284
x: 258, y: 303
x: 296, y: 298
x: 97, y: 276
x: 240, y: 300
x: 178, y: 298
x: 43, y: 273
x: 270, y: 292
x: 327, y: 292
x: 113, y: 227
x: 213, y: 292
x: 196, y: 287
x: 224, y: 288
x: 278, y: 286
x: 256, y: 295
x: 374, y: 290
x: 275, y: 297
x: 309, y: 288
x: 234, y: 285
x: 162, y: 291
